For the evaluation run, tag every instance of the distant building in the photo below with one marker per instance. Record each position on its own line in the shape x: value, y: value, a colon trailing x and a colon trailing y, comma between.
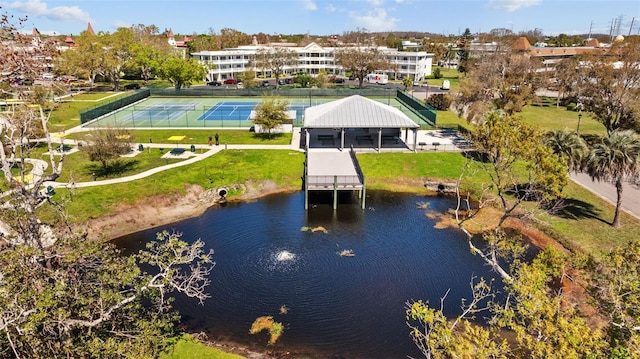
x: 312, y: 59
x: 549, y: 55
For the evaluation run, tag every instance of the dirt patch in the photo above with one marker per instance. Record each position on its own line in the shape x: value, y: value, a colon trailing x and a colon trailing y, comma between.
x: 171, y: 208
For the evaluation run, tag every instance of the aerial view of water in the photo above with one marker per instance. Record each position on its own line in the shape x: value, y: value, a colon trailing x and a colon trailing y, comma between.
x: 338, y: 306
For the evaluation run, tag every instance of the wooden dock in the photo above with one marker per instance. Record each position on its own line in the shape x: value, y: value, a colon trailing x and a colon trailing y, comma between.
x: 332, y: 170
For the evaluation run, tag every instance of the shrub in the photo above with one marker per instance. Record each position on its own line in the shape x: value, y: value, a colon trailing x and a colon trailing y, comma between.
x: 436, y: 73
x: 439, y: 101
x: 572, y: 106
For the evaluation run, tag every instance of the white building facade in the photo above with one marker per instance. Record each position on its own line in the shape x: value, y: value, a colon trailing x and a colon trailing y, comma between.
x: 312, y: 59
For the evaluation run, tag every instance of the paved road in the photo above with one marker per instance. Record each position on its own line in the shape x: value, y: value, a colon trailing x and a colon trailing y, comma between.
x: 607, y: 191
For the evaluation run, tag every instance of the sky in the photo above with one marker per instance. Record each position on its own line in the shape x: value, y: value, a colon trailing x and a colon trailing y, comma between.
x: 326, y: 17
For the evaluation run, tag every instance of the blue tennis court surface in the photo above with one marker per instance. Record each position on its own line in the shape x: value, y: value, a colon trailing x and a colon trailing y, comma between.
x: 229, y: 110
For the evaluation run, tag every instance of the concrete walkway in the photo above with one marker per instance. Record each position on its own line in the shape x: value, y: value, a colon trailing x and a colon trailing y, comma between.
x: 607, y: 191
x: 193, y: 157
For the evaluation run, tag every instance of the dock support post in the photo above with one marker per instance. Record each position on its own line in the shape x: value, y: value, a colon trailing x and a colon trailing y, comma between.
x: 335, y: 192
x: 364, y: 193
x: 306, y: 195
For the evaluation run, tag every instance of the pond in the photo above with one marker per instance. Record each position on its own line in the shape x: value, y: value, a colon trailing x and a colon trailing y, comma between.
x: 338, y: 307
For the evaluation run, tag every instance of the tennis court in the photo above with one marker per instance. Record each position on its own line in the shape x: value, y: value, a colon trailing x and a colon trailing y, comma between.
x: 190, y: 112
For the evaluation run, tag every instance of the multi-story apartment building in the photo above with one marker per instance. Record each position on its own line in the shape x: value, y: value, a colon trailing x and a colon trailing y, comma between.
x: 312, y: 59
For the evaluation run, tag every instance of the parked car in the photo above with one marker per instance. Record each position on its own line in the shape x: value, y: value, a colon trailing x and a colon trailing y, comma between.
x: 339, y: 80
x: 289, y: 81
x: 425, y: 84
x: 416, y: 83
x: 445, y: 85
x: 352, y: 77
x: 264, y: 83
x: 47, y: 76
x: 230, y: 81
x: 132, y: 86
x: 281, y: 82
x: 213, y: 83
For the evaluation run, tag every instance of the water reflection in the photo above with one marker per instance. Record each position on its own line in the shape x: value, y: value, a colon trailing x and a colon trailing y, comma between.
x: 351, y: 307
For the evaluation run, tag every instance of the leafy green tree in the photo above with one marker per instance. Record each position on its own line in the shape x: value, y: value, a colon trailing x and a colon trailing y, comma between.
x: 83, y: 298
x: 108, y: 144
x: 393, y: 42
x: 407, y: 82
x: 249, y: 79
x: 271, y: 113
x: 118, y: 54
x: 614, y: 158
x: 304, y: 79
x: 569, y: 146
x: 437, y: 74
x: 464, y: 51
x: 231, y: 38
x: 146, y: 58
x: 275, y: 60
x: 322, y: 80
x: 86, y: 60
x: 608, y: 86
x: 614, y: 283
x: 545, y: 326
x: 181, y: 72
x: 361, y: 62
x: 520, y: 168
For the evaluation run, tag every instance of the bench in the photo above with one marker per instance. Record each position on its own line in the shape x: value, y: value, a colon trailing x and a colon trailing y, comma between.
x: 364, y: 138
x: 177, y: 151
x: 326, y: 138
x: 422, y: 144
x: 393, y: 139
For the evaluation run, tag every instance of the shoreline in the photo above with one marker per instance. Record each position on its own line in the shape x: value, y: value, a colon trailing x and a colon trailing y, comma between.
x: 167, y: 209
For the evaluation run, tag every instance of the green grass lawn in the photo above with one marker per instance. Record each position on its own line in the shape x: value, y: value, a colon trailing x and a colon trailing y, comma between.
x: 449, y: 118
x: 67, y: 113
x: 222, y: 170
x: 188, y: 348
x: 200, y: 136
x: 78, y: 167
x: 552, y: 118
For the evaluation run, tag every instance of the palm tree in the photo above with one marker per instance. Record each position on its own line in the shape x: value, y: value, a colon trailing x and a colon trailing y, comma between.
x: 569, y: 146
x: 617, y: 156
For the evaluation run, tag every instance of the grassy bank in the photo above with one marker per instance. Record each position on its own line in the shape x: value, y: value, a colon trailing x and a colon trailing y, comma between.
x: 284, y: 168
x: 188, y: 348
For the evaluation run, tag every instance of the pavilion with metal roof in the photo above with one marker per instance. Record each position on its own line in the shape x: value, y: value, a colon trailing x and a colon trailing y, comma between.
x: 356, y: 121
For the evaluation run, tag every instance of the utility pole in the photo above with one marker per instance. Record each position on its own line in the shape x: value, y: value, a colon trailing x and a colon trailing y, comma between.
x: 631, y: 26
x: 590, y: 29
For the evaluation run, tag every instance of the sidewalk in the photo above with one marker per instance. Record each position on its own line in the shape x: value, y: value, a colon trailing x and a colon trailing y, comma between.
x: 193, y: 157
x: 607, y: 191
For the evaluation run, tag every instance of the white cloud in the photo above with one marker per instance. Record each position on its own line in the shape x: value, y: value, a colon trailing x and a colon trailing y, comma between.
x: 59, y: 13
x: 310, y: 5
x: 119, y: 23
x: 331, y: 8
x: 375, y: 20
x: 512, y: 5
x: 375, y: 3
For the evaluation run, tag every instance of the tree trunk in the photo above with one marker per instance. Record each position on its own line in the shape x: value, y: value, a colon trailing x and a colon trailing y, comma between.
x: 616, y: 217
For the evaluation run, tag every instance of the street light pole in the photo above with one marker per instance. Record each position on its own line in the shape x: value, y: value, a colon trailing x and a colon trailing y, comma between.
x: 579, y: 118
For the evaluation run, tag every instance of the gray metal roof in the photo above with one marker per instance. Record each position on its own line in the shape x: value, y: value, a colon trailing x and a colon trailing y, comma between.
x: 356, y: 112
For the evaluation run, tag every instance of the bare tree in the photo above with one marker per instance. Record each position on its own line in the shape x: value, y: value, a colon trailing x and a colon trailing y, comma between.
x: 275, y: 60
x: 362, y: 61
